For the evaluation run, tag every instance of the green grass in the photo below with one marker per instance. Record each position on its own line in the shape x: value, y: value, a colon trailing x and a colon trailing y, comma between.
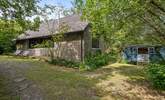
x: 61, y: 84
x: 123, y: 82
x: 56, y: 83
x: 113, y: 82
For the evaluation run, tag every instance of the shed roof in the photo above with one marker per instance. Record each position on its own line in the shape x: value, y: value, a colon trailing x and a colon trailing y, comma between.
x: 73, y: 21
x: 144, y: 45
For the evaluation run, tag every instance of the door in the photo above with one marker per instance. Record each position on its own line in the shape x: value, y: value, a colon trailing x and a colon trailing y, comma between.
x: 143, y: 55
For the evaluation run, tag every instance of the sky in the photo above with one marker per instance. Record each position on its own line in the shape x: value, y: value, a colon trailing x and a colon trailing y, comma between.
x: 65, y: 3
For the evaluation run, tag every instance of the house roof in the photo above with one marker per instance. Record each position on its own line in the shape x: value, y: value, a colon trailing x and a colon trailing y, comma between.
x: 73, y: 22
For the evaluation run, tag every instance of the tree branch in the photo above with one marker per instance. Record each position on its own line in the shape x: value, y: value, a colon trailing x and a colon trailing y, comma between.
x: 162, y: 35
x: 157, y: 6
x: 154, y: 14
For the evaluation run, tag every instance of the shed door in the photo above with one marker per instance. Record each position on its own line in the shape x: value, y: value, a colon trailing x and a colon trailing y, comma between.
x: 143, y: 55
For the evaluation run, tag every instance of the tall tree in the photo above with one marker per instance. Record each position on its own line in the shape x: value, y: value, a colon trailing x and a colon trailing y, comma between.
x: 124, y: 22
x: 8, y: 31
x: 14, y: 19
x: 18, y: 9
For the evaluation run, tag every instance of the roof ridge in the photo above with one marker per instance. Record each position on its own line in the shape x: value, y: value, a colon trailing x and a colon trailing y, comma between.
x: 73, y: 21
x: 64, y: 17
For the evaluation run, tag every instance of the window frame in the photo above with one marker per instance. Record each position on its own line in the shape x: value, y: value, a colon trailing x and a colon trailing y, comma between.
x: 96, y: 45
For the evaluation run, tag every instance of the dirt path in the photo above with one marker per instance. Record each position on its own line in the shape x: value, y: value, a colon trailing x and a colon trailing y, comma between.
x: 125, y: 82
x: 19, y: 85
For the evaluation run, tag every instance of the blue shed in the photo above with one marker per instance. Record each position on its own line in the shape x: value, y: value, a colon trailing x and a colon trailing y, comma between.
x: 144, y: 53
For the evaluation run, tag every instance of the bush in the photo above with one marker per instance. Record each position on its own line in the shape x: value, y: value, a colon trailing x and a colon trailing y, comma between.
x: 92, y: 61
x: 157, y: 59
x: 156, y: 74
x: 1, y: 50
x: 63, y: 62
x: 97, y: 60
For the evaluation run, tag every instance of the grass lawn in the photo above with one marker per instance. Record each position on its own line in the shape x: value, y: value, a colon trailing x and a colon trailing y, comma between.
x: 61, y: 83
x: 113, y: 82
x: 57, y: 83
x: 124, y: 82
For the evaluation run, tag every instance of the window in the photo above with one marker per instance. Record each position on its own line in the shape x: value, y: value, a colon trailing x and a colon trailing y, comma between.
x: 143, y: 50
x: 152, y: 50
x: 95, y: 43
x: 134, y: 50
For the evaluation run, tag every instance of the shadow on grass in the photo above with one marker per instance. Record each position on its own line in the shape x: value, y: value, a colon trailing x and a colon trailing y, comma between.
x: 130, y: 71
x: 127, y: 82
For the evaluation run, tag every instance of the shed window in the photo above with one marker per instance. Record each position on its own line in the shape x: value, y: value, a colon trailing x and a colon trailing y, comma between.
x: 95, y: 43
x: 142, y: 50
x: 152, y: 50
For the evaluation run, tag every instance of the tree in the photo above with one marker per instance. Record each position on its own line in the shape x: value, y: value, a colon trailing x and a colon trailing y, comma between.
x: 14, y: 20
x: 8, y: 31
x: 18, y: 10
x: 57, y: 34
x: 124, y: 22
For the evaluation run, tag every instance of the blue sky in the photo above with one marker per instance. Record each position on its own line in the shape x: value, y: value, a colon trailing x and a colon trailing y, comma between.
x: 65, y: 3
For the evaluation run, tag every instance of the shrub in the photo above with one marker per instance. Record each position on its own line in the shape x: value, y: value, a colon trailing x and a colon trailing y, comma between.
x: 97, y: 60
x: 63, y: 62
x: 157, y: 58
x: 1, y: 50
x: 92, y: 61
x: 156, y: 74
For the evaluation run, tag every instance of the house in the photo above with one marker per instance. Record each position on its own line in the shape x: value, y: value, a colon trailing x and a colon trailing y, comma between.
x: 75, y: 45
x: 143, y: 53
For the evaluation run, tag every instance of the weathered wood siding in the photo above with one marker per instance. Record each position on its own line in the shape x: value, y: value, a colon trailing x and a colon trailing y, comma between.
x: 75, y: 46
x: 70, y: 48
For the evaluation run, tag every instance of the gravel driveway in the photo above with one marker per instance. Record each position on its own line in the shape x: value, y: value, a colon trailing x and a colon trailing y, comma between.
x: 20, y: 86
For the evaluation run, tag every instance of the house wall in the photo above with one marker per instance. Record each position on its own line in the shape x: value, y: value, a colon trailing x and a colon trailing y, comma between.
x: 22, y: 45
x: 87, y: 42
x: 70, y: 48
x: 75, y: 46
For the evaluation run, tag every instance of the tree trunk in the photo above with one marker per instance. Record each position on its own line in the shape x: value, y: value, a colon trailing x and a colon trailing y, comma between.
x: 119, y: 55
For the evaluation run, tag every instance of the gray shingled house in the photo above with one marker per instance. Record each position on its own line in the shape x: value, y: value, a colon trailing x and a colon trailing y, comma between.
x: 77, y: 42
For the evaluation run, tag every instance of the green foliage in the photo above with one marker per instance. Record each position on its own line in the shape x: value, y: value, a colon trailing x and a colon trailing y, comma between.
x: 14, y: 21
x: 157, y: 59
x: 124, y: 61
x: 18, y: 10
x: 63, y: 28
x: 66, y: 63
x: 57, y: 34
x: 91, y: 62
x: 97, y: 60
x: 8, y: 31
x: 31, y: 25
x: 124, y: 22
x: 44, y: 44
x: 156, y: 74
